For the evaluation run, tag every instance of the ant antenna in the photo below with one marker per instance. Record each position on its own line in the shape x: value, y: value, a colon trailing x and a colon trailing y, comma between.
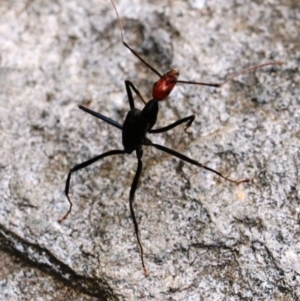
x: 164, y: 86
x: 128, y: 47
x: 247, y: 70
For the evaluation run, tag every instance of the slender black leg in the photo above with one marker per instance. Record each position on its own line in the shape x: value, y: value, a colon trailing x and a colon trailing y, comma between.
x: 131, y: 199
x: 191, y: 161
x: 83, y: 165
x: 189, y: 120
x: 128, y: 85
x: 102, y: 117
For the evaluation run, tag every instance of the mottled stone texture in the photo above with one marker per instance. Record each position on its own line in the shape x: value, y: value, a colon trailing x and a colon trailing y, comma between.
x: 204, y: 238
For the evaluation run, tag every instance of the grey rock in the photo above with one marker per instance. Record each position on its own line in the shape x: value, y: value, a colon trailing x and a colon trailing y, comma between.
x: 204, y: 238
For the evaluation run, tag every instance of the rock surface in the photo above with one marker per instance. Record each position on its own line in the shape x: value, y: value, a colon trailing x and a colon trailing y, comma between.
x: 204, y: 238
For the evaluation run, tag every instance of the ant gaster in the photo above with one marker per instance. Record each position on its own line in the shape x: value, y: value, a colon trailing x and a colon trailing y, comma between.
x: 139, y: 123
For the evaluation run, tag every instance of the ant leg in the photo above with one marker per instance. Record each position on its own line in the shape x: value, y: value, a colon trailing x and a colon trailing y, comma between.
x: 102, y: 117
x: 218, y: 85
x: 129, y: 85
x: 80, y: 166
x: 189, y: 119
x: 131, y: 199
x: 191, y: 161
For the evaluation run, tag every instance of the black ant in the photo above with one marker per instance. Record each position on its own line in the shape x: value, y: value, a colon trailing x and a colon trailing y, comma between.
x: 135, y: 128
x: 138, y: 124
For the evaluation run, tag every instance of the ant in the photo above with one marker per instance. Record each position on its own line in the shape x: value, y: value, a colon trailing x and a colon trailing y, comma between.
x: 139, y: 123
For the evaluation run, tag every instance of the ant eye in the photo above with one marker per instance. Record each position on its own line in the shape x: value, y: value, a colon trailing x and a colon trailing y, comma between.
x: 168, y: 91
x: 154, y: 84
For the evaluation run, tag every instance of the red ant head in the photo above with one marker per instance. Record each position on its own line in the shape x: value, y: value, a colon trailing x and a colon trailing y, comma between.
x: 163, y: 87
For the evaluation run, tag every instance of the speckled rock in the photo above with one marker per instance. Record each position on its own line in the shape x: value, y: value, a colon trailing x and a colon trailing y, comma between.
x: 204, y: 238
